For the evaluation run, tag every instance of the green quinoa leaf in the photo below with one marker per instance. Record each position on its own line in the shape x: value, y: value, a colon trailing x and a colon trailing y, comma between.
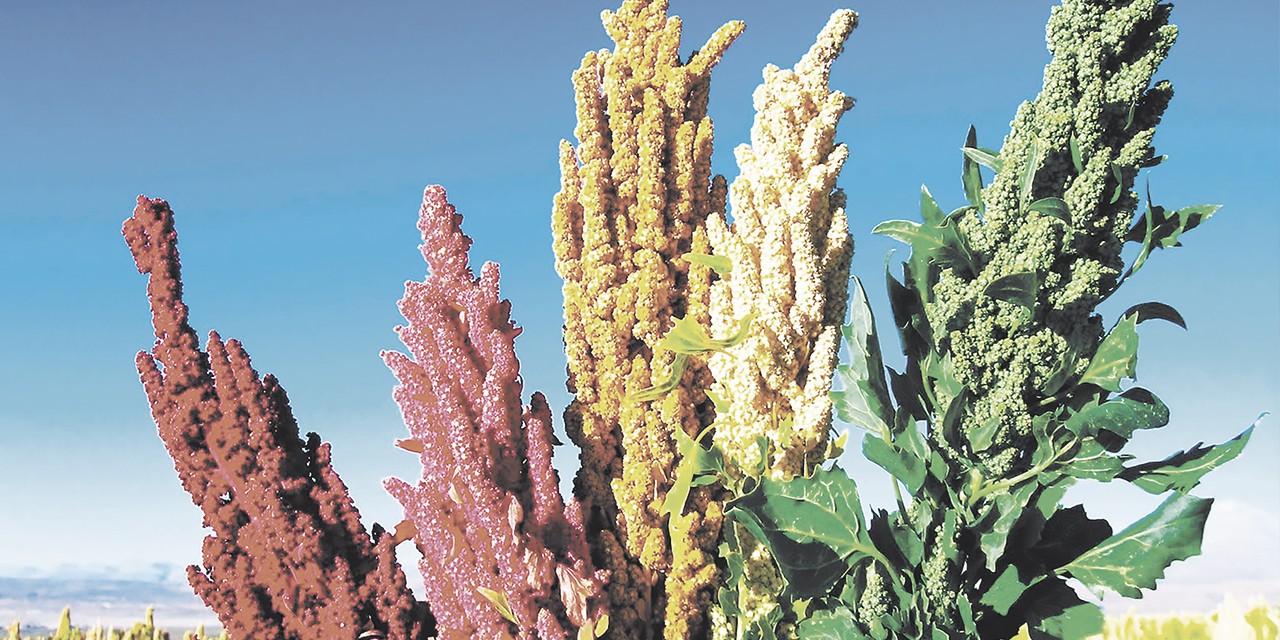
x: 864, y: 399
x: 698, y: 466
x: 930, y: 212
x: 1156, y: 311
x: 1093, y: 462
x: 1182, y: 471
x: 667, y: 384
x: 1054, y: 612
x: 1077, y: 160
x: 984, y: 157
x: 1116, y: 358
x: 1018, y: 288
x: 971, y: 174
x: 1159, y: 229
x: 834, y: 624
x: 899, y: 462
x: 812, y: 526
x: 1006, y: 510
x: 1055, y: 207
x: 718, y: 264
x: 1135, y: 558
x: 1004, y: 591
x: 1134, y: 409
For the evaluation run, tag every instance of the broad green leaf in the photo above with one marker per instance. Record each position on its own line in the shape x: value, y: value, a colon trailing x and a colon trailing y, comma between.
x: 1182, y: 471
x: 718, y: 264
x: 1005, y: 591
x: 1156, y: 311
x: 901, y: 464
x: 864, y: 399
x: 942, y: 243
x: 1093, y: 462
x: 971, y: 174
x: 930, y: 212
x: 833, y: 624
x: 984, y: 157
x: 1029, y: 172
x: 1136, y: 557
x: 812, y: 526
x: 1018, y: 288
x: 1067, y: 534
x: 1134, y: 409
x: 1055, y: 207
x: 1116, y: 358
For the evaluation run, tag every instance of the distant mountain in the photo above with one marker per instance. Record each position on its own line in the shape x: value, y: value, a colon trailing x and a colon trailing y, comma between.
x: 38, y: 602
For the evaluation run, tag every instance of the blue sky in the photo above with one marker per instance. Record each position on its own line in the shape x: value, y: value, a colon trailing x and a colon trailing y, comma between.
x: 294, y: 140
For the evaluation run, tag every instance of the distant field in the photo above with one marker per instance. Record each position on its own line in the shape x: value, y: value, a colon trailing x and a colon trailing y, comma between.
x: 1231, y: 621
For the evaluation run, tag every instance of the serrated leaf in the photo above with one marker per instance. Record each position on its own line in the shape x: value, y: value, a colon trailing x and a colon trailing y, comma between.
x: 971, y: 175
x: 864, y: 399
x: 1134, y: 409
x: 1018, y: 288
x: 718, y: 264
x: 1116, y: 358
x: 1067, y: 534
x: 1054, y: 207
x: 901, y: 464
x: 687, y: 337
x: 1182, y: 471
x: 812, y: 526
x: 1135, y: 558
x: 930, y: 212
x: 909, y: 317
x: 1156, y: 311
x: 942, y: 243
x: 1156, y: 228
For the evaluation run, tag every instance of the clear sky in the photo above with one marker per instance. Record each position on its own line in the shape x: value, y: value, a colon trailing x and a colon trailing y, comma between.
x: 294, y: 139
